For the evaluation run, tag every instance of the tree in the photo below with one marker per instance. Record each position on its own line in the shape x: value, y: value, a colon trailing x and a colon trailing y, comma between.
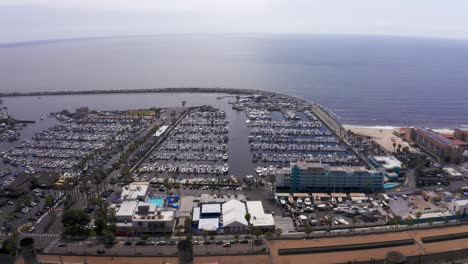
x: 394, y: 146
x: 108, y: 236
x: 144, y: 237
x: 75, y: 221
x: 247, y: 217
x: 409, y: 221
x: 205, y: 234
x: 189, y: 237
x: 11, y: 244
x: 49, y: 201
x: 418, y: 216
x: 278, y: 232
x: 269, y: 234
x: 178, y: 232
x: 212, y: 237
x: 308, y: 230
x: 257, y: 232
x: 236, y: 236
x: 354, y: 222
x: 183, y: 104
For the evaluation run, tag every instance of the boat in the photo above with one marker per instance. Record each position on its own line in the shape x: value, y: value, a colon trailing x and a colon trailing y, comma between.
x: 258, y: 170
x: 282, y: 201
x: 299, y: 202
x: 225, y: 156
x: 307, y: 201
x: 225, y: 168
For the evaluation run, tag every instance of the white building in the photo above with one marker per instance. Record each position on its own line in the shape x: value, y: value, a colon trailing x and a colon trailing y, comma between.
x: 258, y: 218
x: 150, y: 219
x: 141, y: 217
x: 126, y: 211
x: 135, y: 191
x: 310, y: 177
x: 460, y: 206
x: 208, y: 224
x: 233, y: 216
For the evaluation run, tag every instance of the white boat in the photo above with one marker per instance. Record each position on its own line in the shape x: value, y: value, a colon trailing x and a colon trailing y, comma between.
x: 299, y: 202
x: 225, y: 168
x: 225, y: 156
x: 258, y: 170
x: 282, y: 201
x: 307, y: 201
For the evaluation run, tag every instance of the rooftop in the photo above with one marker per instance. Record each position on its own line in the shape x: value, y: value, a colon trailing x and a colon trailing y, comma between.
x: 387, y: 162
x: 213, y: 208
x: 127, y: 208
x: 435, y: 136
x: 208, y: 224
x: 258, y: 216
x: 135, y: 190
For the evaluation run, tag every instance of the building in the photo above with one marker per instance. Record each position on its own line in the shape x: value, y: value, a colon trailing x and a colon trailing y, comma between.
x: 206, y: 217
x: 460, y: 206
x: 233, y: 216
x: 135, y: 191
x: 309, y: 177
x: 461, y: 134
x: 441, y: 148
x: 390, y: 164
x: 258, y: 217
x: 141, y: 217
x: 150, y: 219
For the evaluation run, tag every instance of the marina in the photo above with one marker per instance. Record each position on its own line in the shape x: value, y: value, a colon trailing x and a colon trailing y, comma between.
x: 197, y: 146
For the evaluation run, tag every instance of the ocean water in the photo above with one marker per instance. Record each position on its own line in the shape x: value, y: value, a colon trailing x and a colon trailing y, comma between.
x: 385, y: 81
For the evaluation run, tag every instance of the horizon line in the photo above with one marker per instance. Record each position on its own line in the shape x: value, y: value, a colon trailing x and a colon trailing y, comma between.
x: 33, y: 42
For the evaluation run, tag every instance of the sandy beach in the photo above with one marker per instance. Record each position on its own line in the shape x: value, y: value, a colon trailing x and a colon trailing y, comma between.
x: 382, y: 135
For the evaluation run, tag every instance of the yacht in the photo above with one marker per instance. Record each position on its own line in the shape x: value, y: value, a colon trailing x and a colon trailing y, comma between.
x: 299, y: 202
x: 258, y: 170
x: 225, y: 156
x: 282, y: 201
x: 225, y: 168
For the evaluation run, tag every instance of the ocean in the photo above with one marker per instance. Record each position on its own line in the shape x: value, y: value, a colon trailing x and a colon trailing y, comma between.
x: 371, y: 81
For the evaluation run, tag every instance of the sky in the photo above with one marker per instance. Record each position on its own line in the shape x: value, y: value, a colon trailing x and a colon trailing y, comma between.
x: 26, y: 20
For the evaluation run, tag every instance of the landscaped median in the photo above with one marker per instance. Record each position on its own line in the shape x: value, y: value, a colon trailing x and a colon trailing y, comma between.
x: 432, y: 239
x: 339, y: 248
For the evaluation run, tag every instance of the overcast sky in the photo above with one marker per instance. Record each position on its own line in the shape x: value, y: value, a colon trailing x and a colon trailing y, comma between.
x: 23, y: 20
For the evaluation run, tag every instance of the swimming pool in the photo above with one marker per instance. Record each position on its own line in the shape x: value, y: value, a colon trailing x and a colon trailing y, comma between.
x: 158, y: 201
x: 391, y: 185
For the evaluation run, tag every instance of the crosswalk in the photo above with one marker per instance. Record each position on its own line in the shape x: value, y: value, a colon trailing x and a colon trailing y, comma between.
x: 51, y: 245
x: 41, y: 235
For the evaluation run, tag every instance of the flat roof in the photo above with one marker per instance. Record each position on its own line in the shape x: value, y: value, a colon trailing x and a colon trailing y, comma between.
x: 158, y: 216
x: 387, y: 162
x: 214, y: 208
x: 258, y: 216
x: 196, y: 214
x: 135, y: 190
x: 127, y: 208
x: 208, y: 224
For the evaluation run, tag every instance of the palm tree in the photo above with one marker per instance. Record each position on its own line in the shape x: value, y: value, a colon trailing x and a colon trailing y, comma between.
x: 394, y: 146
x: 418, y: 216
x: 354, y: 222
x: 183, y: 104
x: 205, y: 234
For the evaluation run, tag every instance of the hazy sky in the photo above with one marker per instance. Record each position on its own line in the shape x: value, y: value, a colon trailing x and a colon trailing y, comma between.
x: 46, y: 19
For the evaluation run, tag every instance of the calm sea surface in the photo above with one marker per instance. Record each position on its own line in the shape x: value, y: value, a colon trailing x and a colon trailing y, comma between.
x: 363, y: 80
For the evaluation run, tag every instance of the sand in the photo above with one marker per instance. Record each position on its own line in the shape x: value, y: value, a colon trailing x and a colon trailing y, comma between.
x: 382, y: 135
